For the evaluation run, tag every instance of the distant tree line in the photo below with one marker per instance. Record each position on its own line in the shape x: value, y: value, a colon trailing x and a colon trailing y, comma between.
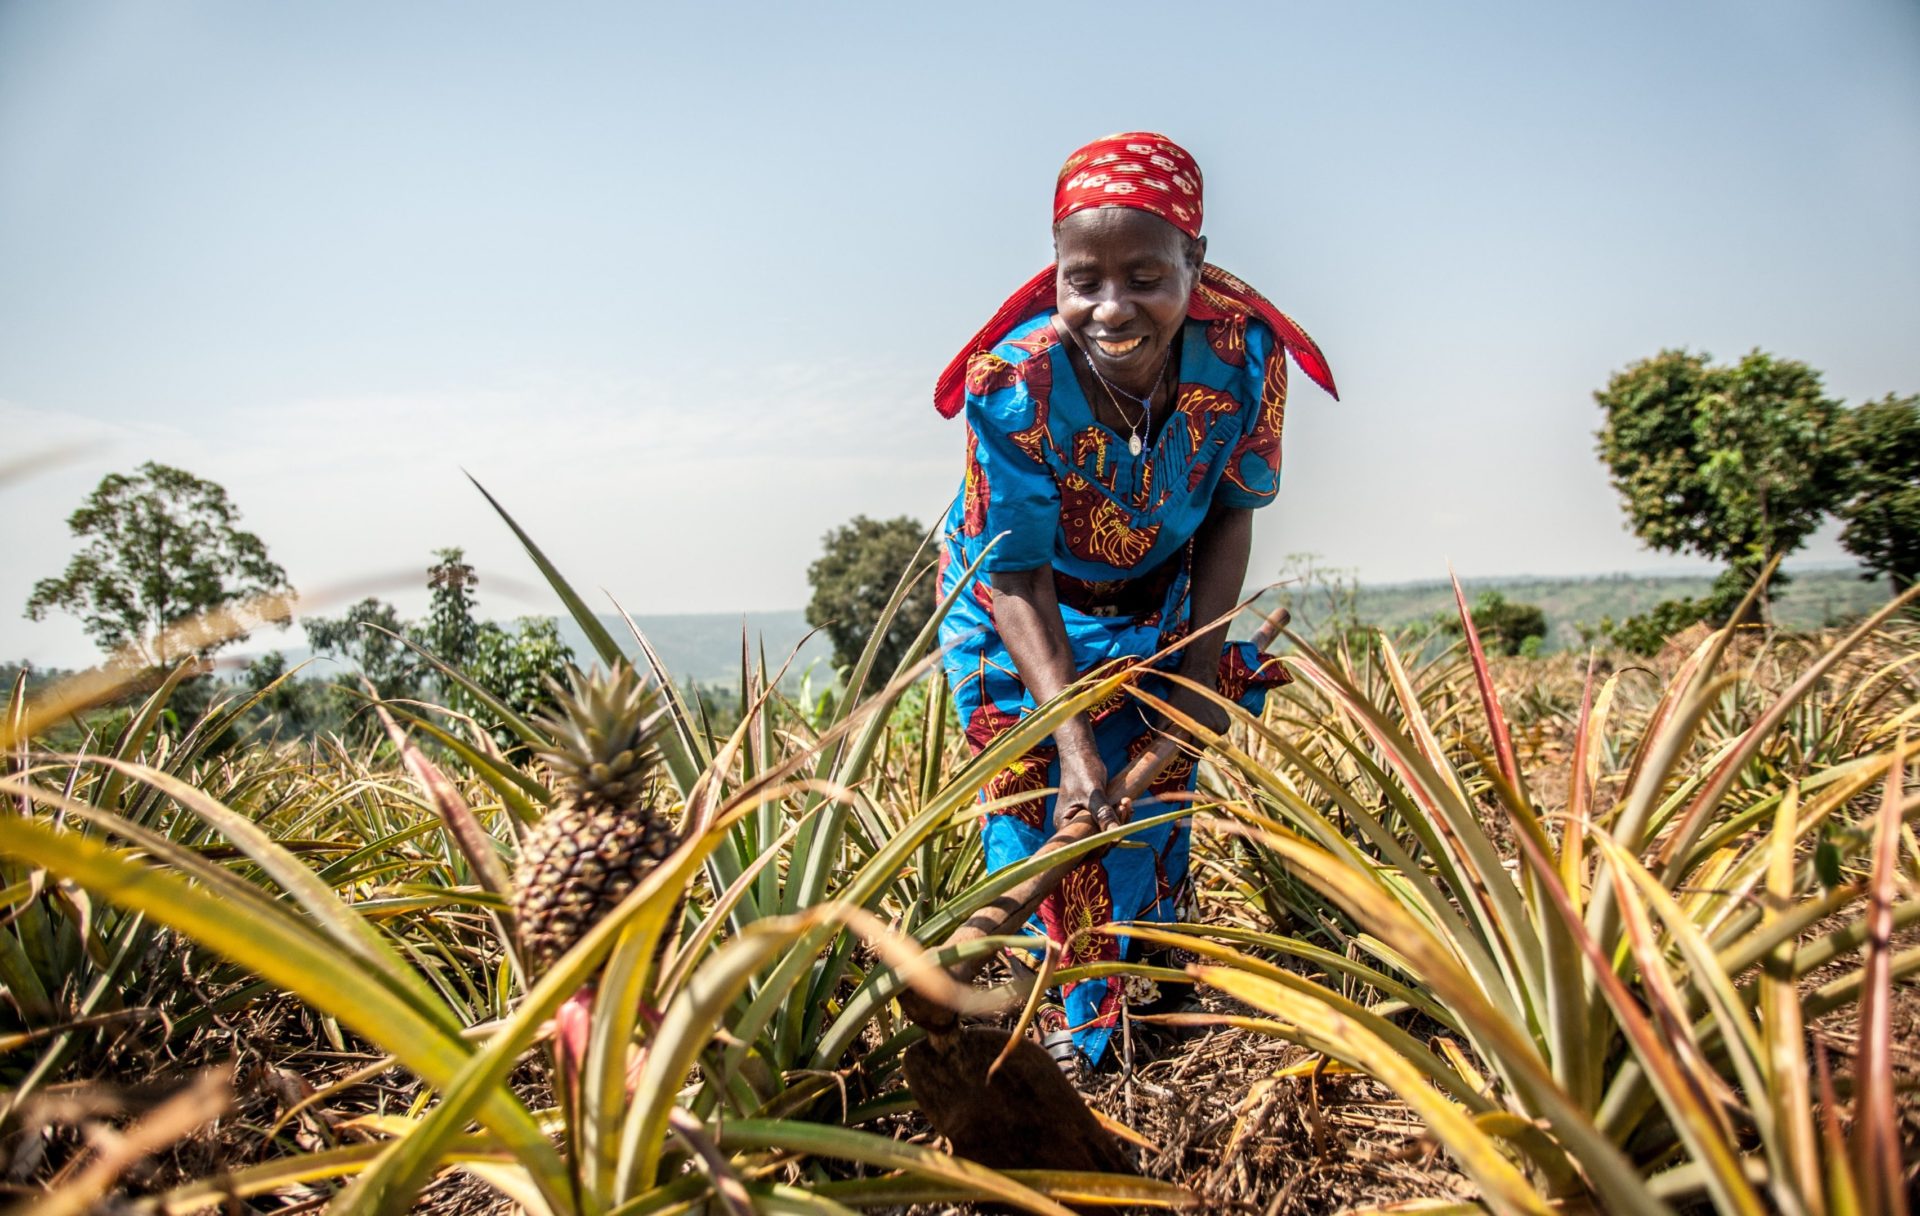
x: 409, y: 660
x: 162, y: 554
x: 1737, y: 463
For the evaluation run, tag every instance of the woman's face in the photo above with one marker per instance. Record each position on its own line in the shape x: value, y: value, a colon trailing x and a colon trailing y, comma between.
x: 1123, y: 279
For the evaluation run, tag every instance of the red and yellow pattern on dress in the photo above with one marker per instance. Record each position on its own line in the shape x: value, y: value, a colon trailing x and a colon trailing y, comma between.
x: 1203, y: 408
x: 1176, y: 778
x: 1256, y: 462
x: 1090, y: 448
x: 1097, y: 529
x: 974, y: 491
x: 1228, y: 336
x: 1027, y: 775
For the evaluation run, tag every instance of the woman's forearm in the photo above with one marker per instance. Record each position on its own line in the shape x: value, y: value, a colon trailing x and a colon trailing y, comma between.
x: 1220, y: 552
x: 1027, y: 615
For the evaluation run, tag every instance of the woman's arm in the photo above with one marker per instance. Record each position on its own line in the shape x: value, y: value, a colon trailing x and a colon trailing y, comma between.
x: 1027, y: 615
x: 1220, y: 550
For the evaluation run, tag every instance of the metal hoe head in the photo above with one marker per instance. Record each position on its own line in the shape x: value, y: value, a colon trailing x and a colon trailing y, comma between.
x: 1024, y: 1116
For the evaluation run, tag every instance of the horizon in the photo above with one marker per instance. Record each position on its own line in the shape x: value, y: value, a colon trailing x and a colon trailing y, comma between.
x: 679, y: 299
x: 267, y: 639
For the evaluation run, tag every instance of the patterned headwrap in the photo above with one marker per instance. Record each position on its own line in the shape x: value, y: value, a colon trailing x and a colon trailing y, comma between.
x: 1138, y: 169
x: 1151, y: 173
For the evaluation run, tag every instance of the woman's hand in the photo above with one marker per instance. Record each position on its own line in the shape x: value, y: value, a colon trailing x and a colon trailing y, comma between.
x: 1028, y: 615
x: 1083, y: 790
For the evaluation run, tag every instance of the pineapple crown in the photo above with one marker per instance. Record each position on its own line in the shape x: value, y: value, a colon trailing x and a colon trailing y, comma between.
x: 606, y: 726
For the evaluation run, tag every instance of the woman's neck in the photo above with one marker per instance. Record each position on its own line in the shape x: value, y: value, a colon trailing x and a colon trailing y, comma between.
x: 1120, y: 409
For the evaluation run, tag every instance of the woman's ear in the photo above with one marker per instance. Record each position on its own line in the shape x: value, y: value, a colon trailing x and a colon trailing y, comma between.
x: 1197, y: 254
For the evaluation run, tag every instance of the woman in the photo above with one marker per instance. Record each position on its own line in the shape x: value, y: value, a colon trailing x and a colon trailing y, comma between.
x: 1123, y: 421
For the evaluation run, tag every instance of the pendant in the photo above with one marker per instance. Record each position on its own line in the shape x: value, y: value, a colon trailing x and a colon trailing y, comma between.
x: 1133, y: 443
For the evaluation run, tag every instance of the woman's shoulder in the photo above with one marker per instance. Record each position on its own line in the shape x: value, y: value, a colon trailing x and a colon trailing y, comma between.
x: 1009, y: 382
x: 1230, y: 304
x: 1031, y: 337
x: 1235, y: 344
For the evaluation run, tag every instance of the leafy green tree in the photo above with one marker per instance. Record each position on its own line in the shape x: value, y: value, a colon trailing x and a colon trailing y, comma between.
x: 1737, y: 464
x: 1882, y: 507
x: 294, y: 707
x: 1505, y: 626
x: 36, y: 678
x: 1646, y: 632
x: 517, y: 665
x: 450, y: 630
x: 161, y: 547
x: 861, y: 564
x: 368, y: 638
x: 514, y: 665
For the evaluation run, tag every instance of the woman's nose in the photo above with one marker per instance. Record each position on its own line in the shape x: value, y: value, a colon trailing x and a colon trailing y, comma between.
x: 1114, y: 310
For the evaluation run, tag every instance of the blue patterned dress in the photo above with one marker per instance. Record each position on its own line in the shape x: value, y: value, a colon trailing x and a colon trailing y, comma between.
x: 1061, y: 489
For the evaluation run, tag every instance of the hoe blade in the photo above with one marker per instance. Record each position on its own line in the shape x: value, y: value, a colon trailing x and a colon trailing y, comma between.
x: 1026, y: 1116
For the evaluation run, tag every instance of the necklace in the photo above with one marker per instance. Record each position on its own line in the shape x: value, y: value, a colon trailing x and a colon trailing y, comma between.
x: 1133, y: 428
x: 1145, y: 403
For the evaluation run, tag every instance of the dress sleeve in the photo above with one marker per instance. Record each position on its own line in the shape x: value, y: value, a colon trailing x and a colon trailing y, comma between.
x: 1252, y: 474
x: 1022, y: 499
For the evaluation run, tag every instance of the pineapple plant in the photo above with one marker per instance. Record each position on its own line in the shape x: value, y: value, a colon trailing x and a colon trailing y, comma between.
x: 603, y: 833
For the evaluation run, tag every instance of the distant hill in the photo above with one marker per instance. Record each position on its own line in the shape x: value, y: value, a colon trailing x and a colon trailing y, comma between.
x: 1814, y: 598
x: 706, y: 646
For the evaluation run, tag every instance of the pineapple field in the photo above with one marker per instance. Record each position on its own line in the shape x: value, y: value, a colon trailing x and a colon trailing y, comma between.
x: 1580, y: 933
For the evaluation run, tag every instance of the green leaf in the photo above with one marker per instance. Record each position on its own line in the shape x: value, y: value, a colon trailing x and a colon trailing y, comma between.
x: 597, y: 635
x: 1826, y: 864
x: 273, y: 949
x: 847, y: 1144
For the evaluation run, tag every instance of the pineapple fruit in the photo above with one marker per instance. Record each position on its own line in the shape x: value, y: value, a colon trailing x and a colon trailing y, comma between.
x: 603, y: 832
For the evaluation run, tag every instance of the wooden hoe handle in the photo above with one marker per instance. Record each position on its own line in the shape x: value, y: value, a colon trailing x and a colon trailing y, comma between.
x: 1017, y: 903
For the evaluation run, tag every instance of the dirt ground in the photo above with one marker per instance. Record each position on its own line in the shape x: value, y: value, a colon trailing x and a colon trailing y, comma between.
x: 1218, y: 1119
x: 1245, y: 1141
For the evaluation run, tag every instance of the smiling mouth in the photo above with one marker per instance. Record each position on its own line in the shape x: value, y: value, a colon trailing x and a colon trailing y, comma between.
x: 1116, y: 350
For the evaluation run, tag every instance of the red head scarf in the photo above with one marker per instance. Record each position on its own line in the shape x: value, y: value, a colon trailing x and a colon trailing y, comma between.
x: 1139, y: 169
x: 1149, y: 173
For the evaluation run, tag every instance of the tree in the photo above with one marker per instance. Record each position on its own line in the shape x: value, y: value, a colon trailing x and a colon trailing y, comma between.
x: 368, y: 637
x: 856, y: 574
x: 450, y: 630
x: 1647, y: 632
x: 288, y: 708
x: 161, y: 547
x: 1882, y: 507
x: 1506, y: 627
x: 514, y: 665
x: 1737, y: 464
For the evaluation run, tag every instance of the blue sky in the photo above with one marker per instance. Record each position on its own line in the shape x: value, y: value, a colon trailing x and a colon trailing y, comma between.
x: 674, y: 281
